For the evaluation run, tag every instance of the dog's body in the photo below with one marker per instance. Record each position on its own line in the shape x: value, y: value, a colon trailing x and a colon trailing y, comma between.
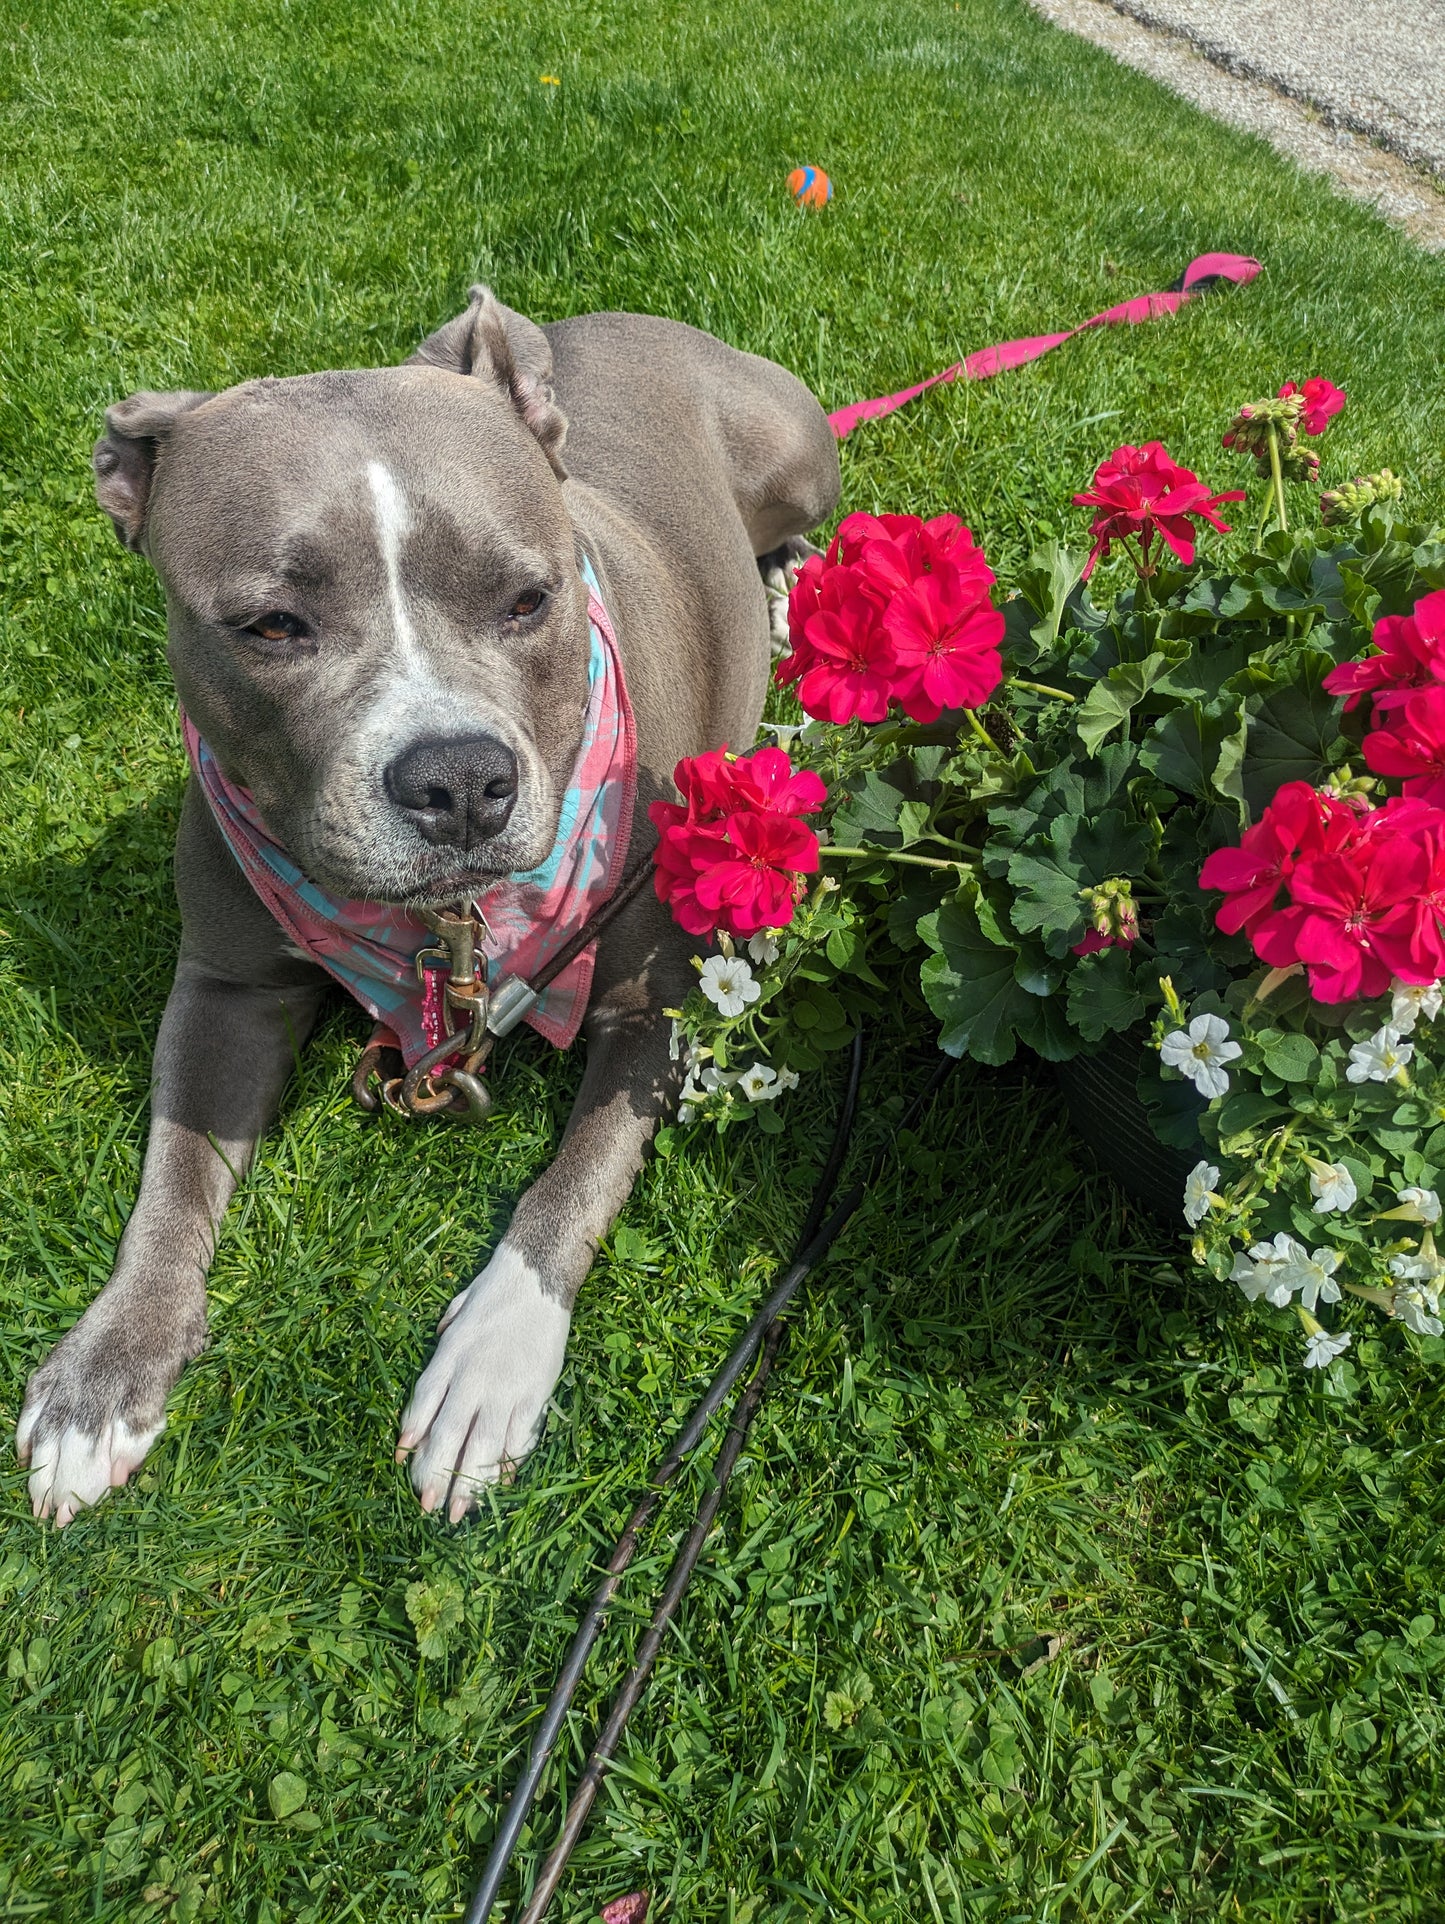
x: 377, y: 621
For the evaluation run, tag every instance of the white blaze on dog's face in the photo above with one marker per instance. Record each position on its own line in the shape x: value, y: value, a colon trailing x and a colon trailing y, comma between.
x: 374, y: 610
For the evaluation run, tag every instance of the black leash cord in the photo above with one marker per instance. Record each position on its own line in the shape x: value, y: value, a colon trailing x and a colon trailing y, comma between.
x: 817, y: 1237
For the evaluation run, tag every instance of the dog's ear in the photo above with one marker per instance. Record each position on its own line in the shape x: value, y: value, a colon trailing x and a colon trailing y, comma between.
x: 125, y: 456
x: 495, y: 344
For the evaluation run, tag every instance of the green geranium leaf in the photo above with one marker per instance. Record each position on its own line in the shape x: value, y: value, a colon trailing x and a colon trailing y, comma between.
x: 1052, y: 574
x: 1203, y: 673
x: 869, y: 814
x: 971, y: 986
x: 1111, y: 701
x: 1294, y: 734
x: 1192, y: 745
x: 1050, y: 875
x: 1102, y: 995
x: 1070, y: 789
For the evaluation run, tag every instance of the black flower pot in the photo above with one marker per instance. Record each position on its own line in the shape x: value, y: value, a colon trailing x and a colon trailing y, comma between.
x: 1102, y: 1097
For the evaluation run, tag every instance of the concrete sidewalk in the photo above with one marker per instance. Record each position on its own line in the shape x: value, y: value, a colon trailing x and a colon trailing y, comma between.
x: 1376, y: 67
x: 1355, y: 91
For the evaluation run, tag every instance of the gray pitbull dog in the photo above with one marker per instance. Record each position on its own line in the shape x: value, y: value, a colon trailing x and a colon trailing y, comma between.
x: 368, y: 570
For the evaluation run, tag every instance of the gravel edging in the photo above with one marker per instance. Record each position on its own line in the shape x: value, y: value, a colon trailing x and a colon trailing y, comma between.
x: 1358, y: 168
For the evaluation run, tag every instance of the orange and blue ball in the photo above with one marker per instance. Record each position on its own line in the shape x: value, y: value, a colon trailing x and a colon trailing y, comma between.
x: 810, y: 187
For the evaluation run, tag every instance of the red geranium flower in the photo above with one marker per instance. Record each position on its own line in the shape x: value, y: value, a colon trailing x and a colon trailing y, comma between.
x: 1299, y: 821
x: 732, y: 854
x: 752, y: 883
x: 946, y: 634
x: 1412, y: 745
x: 1356, y: 894
x: 899, y: 611
x: 767, y: 780
x: 1412, y: 655
x: 1356, y: 931
x: 1322, y: 402
x: 1141, y: 492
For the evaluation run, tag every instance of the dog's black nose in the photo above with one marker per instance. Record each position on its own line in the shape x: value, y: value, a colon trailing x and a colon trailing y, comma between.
x: 458, y: 793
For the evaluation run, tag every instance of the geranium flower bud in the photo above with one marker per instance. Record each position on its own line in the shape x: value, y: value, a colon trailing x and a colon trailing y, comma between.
x: 1298, y: 463
x: 1249, y: 430
x: 1348, y: 501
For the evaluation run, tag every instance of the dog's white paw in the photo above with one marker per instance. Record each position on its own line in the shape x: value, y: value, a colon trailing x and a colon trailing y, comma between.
x: 72, y: 1468
x: 480, y: 1403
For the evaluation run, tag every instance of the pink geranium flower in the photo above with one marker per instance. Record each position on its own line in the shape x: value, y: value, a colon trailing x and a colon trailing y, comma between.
x: 1138, y: 493
x: 1412, y: 655
x: 1322, y: 402
x: 752, y: 883
x: 1412, y: 744
x: 1355, y: 894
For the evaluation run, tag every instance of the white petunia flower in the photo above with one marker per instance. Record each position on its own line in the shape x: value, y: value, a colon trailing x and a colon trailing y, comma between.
x: 1409, y: 1002
x: 714, y: 1078
x: 1423, y: 1204
x: 1332, y: 1186
x: 1247, y: 1275
x: 727, y: 982
x: 1380, y: 1059
x: 1322, y: 1349
x: 760, y: 1083
x: 787, y: 1079
x: 1413, y: 1308
x: 1270, y: 1269
x: 1199, y: 1192
x: 763, y: 948
x: 1314, y: 1277
x: 674, y: 1042
x: 1279, y: 1270
x: 1200, y: 1052
x: 689, y: 1097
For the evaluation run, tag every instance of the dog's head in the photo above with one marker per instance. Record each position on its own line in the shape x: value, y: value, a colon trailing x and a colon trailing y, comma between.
x: 374, y: 609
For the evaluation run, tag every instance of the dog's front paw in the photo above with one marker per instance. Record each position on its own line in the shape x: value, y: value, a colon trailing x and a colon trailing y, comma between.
x: 92, y: 1410
x: 480, y: 1403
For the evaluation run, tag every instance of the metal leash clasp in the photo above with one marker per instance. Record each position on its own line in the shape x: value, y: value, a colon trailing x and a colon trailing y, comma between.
x: 453, y: 974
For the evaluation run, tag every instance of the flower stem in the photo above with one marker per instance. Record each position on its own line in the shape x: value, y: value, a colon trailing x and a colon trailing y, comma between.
x: 1042, y: 688
x: 1277, y: 478
x: 890, y: 855
x: 978, y: 728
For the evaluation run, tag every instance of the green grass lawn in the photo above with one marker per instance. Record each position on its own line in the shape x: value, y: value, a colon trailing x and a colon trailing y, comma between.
x: 1006, y: 1411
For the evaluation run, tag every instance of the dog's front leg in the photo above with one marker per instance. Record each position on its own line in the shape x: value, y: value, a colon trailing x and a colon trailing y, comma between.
x: 97, y: 1402
x: 480, y: 1404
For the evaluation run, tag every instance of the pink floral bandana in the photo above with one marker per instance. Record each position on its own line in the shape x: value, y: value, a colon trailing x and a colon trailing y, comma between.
x: 371, y: 947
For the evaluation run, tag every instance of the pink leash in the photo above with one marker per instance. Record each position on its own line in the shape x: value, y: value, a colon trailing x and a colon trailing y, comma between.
x: 1208, y: 271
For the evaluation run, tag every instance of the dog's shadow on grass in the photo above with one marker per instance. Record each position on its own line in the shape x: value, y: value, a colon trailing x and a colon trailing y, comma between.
x: 93, y: 935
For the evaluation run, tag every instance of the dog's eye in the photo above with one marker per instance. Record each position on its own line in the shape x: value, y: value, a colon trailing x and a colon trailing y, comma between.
x: 278, y: 627
x: 526, y: 604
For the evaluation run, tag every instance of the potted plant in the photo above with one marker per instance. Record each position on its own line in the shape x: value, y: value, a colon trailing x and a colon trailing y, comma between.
x: 1186, y: 840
